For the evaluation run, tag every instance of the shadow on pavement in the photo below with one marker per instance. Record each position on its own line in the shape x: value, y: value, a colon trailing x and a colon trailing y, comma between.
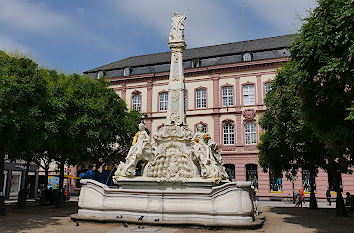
x: 320, y: 220
x: 34, y: 216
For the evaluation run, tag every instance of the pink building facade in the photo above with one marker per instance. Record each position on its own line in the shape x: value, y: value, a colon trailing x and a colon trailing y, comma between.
x: 226, y: 86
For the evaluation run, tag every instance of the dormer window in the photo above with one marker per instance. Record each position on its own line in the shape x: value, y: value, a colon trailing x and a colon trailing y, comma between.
x: 100, y: 74
x: 247, y: 57
x: 127, y: 71
x: 196, y: 63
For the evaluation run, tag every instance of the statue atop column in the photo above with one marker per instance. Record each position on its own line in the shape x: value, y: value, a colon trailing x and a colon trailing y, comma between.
x: 177, y: 31
x: 174, y: 154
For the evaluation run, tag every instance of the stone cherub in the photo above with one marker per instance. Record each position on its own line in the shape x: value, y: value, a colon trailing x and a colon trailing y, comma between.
x: 140, y: 150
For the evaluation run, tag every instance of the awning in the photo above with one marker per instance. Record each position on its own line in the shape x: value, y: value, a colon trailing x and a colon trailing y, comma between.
x: 72, y: 177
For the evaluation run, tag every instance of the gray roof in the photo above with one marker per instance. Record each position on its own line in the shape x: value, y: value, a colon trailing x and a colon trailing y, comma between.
x: 221, y: 50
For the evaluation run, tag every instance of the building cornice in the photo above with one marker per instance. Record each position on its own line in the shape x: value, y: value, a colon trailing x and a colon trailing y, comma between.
x: 209, y: 70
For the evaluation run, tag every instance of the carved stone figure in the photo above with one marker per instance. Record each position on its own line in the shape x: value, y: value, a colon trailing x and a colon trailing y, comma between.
x: 177, y: 31
x: 215, y: 155
x: 206, y: 151
x: 140, y: 150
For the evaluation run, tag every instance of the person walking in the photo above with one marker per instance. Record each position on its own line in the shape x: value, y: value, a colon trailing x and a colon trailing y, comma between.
x: 298, y: 199
x: 302, y: 196
x: 328, y: 196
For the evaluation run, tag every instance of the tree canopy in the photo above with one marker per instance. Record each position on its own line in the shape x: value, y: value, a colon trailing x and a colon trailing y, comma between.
x: 54, y: 116
x: 308, y: 122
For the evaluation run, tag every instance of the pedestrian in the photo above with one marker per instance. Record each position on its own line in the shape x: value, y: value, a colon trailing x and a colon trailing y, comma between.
x: 302, y: 196
x: 328, y: 196
x: 298, y: 199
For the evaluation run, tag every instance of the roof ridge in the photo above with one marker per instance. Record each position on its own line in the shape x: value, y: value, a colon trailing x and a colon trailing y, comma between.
x: 189, y: 52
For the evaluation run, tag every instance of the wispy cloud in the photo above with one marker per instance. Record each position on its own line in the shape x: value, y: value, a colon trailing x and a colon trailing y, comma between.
x: 31, y: 16
x: 9, y: 44
x: 36, y: 19
x: 281, y: 14
x: 208, y: 22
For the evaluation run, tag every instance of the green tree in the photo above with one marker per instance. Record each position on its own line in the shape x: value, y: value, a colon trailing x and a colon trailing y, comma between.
x: 84, y: 119
x: 22, y: 101
x: 107, y: 124
x: 321, y: 76
x: 288, y: 143
x: 324, y: 53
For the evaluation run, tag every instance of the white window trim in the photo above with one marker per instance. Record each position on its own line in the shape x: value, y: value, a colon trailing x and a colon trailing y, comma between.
x: 250, y: 135
x: 163, y: 102
x: 137, y: 103
x: 249, y: 94
x: 229, y: 96
x: 200, y: 98
x: 228, y: 135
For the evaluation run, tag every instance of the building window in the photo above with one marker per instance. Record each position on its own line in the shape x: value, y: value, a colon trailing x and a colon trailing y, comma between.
x: 252, y: 175
x: 136, y: 102
x: 200, y: 98
x: 163, y: 101
x: 248, y: 95
x: 127, y: 71
x: 267, y: 87
x: 250, y: 133
x: 229, y: 134
x: 247, y: 57
x: 15, y: 183
x: 227, y: 96
x: 100, y: 74
x: 275, y: 182
x: 230, y: 170
x: 306, y: 181
x: 196, y: 63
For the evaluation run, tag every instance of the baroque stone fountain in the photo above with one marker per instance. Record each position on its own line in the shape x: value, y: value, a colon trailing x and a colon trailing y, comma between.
x: 183, y: 180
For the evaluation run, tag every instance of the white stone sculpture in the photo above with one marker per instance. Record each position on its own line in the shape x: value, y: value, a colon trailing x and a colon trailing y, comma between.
x: 177, y: 31
x: 206, y: 151
x: 140, y: 150
x: 183, y: 181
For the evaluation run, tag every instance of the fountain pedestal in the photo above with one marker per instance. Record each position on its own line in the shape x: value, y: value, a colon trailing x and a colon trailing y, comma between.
x: 197, y: 203
x: 183, y: 180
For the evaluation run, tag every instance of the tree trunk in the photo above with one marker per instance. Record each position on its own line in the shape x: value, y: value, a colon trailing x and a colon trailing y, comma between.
x: 22, y: 195
x: 46, y: 174
x: 340, y: 207
x: 45, y: 195
x: 313, y: 200
x: 61, y: 198
x: 2, y: 195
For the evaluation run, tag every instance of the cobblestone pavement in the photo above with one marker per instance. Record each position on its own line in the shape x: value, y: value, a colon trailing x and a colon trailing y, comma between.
x: 280, y: 217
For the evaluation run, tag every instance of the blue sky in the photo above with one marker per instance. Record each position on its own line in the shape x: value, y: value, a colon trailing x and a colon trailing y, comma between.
x: 78, y: 35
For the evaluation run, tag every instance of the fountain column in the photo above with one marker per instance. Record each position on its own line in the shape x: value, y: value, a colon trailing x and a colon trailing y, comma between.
x: 176, y: 113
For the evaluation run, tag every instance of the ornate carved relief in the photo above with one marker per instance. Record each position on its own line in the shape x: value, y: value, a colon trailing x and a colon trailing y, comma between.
x: 249, y: 115
x: 176, y: 117
x: 175, y: 77
x: 172, y: 165
x: 175, y: 95
x: 136, y: 92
